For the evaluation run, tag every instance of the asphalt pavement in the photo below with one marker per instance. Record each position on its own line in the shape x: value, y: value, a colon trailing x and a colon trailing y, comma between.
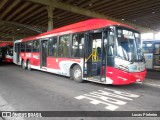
x: 22, y: 90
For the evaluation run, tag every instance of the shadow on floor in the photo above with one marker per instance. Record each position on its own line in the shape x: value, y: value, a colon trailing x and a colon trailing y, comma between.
x: 6, y: 64
x: 153, y: 75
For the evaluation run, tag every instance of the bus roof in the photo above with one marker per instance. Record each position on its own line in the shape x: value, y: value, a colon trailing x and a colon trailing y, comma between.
x: 77, y: 27
x: 2, y: 44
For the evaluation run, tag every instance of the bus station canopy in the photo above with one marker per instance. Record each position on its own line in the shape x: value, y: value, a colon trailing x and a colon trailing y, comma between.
x: 23, y: 18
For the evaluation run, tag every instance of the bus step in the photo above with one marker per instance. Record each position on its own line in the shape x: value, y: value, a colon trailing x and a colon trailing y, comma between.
x: 94, y: 78
x: 44, y: 68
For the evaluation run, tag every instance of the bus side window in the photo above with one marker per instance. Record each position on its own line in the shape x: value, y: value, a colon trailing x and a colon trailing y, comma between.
x: 77, y: 45
x: 36, y: 46
x: 53, y: 46
x: 63, y: 48
x: 29, y: 45
x: 23, y: 47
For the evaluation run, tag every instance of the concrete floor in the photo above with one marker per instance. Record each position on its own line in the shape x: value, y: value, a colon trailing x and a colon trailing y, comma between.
x: 24, y: 90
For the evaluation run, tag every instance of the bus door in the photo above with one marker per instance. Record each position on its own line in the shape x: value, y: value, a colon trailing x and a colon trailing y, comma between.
x: 148, y: 53
x: 94, y: 56
x: 17, y: 53
x: 156, y: 58
x: 43, y: 53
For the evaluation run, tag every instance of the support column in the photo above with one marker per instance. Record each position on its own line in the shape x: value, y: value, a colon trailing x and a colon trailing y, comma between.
x: 13, y: 34
x: 50, y: 17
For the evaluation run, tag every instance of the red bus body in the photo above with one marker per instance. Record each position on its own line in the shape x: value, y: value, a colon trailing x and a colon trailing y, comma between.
x: 6, y: 51
x: 65, y: 65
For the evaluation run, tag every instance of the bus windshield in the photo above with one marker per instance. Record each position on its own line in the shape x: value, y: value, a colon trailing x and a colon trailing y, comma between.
x: 129, y: 47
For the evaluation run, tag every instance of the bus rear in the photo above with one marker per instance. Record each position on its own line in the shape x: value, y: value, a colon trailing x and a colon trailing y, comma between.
x: 6, y: 52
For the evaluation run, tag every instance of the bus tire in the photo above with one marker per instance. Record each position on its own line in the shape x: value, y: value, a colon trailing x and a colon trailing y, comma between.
x: 29, y: 66
x: 77, y: 74
x: 23, y: 65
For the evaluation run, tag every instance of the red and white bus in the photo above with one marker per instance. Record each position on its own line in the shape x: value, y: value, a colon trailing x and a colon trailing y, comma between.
x: 95, y: 50
x: 6, y: 51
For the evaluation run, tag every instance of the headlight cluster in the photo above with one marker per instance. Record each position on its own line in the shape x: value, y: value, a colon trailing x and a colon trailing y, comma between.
x: 133, y: 68
x: 124, y: 68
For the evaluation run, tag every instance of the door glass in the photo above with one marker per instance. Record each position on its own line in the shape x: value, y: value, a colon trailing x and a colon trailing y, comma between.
x: 157, y: 55
x: 17, y: 50
x: 93, y: 58
x: 96, y: 50
x: 157, y: 49
x: 44, y: 52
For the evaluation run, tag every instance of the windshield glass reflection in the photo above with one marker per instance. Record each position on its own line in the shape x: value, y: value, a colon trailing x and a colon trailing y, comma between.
x: 129, y: 47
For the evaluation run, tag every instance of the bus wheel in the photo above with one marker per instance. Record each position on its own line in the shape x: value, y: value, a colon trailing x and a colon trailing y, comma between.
x: 29, y: 66
x: 77, y: 73
x: 23, y: 65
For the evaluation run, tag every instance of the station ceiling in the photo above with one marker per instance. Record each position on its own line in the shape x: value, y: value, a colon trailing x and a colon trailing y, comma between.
x: 22, y: 18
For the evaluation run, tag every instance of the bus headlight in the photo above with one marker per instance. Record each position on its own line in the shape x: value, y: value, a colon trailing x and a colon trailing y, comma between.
x: 134, y: 68
x: 124, y: 68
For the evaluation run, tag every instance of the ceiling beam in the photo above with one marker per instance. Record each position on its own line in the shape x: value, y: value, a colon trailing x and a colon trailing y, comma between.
x: 40, y: 10
x: 69, y: 1
x: 130, y: 9
x: 103, y: 3
x: 37, y: 18
x: 43, y: 20
x: 134, y: 14
x: 7, y: 30
x: 23, y: 26
x: 113, y: 5
x: 2, y: 28
x: 31, y: 8
x: 74, y: 20
x: 9, y: 35
x: 85, y: 3
x: 9, y: 8
x: 82, y: 11
x: 70, y: 17
x: 3, y: 2
x: 18, y: 10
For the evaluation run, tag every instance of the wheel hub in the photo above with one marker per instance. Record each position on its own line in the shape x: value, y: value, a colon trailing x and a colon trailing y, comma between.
x: 77, y: 73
